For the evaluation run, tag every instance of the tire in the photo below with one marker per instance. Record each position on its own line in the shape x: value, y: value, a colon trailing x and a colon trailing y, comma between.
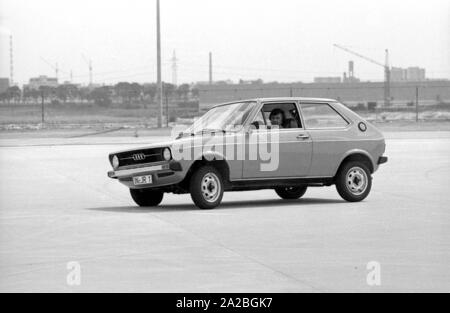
x: 207, y: 188
x: 291, y: 193
x: 354, y: 181
x: 147, y: 197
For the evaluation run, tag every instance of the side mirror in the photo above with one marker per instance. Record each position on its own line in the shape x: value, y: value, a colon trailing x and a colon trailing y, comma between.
x: 255, y: 125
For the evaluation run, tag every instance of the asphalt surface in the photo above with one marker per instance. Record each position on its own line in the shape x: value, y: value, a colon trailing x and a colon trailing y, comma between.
x: 58, y: 206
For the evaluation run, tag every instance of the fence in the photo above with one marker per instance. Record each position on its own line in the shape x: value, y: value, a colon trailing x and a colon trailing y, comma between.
x: 54, y: 114
x: 421, y: 101
x: 413, y: 102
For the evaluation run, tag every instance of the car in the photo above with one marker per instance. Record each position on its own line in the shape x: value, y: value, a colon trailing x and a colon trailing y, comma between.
x: 283, y: 144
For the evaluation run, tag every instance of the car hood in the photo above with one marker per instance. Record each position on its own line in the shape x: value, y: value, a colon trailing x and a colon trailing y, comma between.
x: 184, y: 142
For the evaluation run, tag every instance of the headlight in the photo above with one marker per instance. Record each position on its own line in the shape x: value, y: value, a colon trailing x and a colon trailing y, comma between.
x: 115, y: 162
x: 167, y: 155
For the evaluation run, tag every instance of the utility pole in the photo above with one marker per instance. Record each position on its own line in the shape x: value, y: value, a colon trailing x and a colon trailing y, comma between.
x: 417, y: 104
x: 11, y: 60
x: 89, y: 64
x: 159, y: 86
x: 42, y: 105
x: 174, y: 69
x: 387, y: 81
x: 56, y: 71
x: 91, y: 75
x: 167, y: 111
x: 210, y: 69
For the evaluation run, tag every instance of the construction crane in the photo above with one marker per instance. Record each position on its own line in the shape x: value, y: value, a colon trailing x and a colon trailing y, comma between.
x: 387, y: 71
x: 55, y: 67
x: 89, y: 63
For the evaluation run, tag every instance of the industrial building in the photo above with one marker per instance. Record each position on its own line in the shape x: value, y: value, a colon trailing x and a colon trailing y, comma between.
x: 4, y: 84
x: 410, y: 74
x: 400, y: 87
x: 327, y: 80
x: 431, y: 92
x: 42, y: 81
x: 348, y: 77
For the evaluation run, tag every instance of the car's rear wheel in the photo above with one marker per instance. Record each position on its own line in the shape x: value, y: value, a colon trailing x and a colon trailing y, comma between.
x: 207, y: 188
x: 147, y: 197
x: 291, y: 193
x: 354, y: 181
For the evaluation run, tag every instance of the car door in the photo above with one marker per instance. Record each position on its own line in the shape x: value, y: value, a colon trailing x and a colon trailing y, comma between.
x: 289, y: 149
x: 329, y: 131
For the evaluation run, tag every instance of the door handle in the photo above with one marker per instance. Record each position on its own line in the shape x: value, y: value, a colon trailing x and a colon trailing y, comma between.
x: 302, y: 137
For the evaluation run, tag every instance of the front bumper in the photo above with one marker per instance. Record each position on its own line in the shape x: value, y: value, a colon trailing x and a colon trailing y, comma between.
x: 137, y: 171
x: 383, y: 160
x: 162, y: 174
x: 172, y: 166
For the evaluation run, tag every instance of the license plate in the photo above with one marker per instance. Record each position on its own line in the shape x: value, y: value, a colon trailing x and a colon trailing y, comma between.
x: 143, y: 180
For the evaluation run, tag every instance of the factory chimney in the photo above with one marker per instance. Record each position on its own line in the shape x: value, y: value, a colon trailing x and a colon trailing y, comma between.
x: 351, y: 70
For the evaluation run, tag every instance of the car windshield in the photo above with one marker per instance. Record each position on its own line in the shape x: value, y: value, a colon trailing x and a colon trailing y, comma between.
x: 222, y: 118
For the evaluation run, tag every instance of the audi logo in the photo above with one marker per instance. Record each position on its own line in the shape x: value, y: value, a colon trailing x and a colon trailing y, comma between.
x: 139, y: 157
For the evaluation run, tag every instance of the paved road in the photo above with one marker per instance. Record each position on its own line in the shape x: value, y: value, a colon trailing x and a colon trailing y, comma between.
x: 57, y: 206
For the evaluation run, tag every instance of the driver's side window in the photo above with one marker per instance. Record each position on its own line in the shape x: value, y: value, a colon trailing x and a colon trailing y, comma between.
x: 282, y: 116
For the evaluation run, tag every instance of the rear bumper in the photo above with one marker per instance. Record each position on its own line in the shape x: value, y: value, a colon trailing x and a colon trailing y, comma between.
x: 383, y: 160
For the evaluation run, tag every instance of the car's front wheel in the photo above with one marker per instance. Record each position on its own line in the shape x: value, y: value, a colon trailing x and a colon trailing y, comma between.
x: 206, y: 187
x: 291, y: 193
x: 354, y: 181
x: 147, y: 197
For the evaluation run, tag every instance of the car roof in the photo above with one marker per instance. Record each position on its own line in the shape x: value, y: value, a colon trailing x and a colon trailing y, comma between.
x: 295, y: 99
x: 281, y: 99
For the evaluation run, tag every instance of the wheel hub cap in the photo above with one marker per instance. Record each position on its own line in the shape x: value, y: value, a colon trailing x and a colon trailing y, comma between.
x: 357, y: 181
x: 211, y: 187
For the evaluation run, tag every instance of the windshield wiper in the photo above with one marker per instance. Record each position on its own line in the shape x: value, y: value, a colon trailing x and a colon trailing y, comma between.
x: 201, y: 132
x: 211, y: 130
x: 183, y: 134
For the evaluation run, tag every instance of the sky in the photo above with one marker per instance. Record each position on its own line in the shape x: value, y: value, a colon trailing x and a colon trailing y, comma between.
x: 283, y: 40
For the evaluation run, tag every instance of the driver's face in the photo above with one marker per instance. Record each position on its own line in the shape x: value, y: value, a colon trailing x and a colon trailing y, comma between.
x: 277, y: 120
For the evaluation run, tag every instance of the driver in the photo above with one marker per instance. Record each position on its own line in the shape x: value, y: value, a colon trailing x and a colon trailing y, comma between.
x: 277, y: 118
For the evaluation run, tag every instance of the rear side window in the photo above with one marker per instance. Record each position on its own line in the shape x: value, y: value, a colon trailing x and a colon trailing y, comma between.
x: 322, y: 115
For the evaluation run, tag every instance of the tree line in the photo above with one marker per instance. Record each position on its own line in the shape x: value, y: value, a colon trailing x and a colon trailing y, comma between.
x: 123, y: 92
